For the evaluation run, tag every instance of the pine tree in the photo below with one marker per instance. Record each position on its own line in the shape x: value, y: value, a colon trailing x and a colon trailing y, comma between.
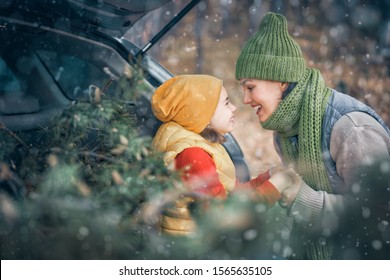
x: 75, y: 191
x: 88, y: 186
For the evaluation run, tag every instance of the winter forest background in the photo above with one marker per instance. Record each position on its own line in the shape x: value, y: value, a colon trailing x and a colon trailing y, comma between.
x: 348, y: 41
x: 103, y: 203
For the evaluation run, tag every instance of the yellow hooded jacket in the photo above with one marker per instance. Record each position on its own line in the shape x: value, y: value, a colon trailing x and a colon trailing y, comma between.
x: 172, y: 139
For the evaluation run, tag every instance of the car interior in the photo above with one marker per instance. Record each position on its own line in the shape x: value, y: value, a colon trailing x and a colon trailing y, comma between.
x: 45, y: 66
x: 43, y: 76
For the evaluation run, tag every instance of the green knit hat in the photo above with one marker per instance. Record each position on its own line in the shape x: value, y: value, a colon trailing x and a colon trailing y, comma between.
x: 271, y: 54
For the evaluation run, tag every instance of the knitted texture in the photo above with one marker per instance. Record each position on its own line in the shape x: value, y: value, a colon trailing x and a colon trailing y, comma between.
x: 271, y: 54
x: 300, y: 114
x: 189, y: 100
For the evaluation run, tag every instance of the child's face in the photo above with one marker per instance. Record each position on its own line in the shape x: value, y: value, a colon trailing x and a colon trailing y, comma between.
x: 263, y: 96
x: 223, y: 118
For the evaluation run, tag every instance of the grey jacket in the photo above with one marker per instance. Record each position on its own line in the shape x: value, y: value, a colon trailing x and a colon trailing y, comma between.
x: 353, y: 136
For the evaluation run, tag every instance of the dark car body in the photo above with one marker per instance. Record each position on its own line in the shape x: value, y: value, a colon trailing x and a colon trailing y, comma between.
x: 53, y: 52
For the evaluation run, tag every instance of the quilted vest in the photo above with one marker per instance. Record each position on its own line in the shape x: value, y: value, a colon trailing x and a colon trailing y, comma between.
x: 339, y: 104
x: 171, y: 139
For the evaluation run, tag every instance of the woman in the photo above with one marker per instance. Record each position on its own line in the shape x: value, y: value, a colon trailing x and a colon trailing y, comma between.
x: 196, y: 113
x: 326, y: 135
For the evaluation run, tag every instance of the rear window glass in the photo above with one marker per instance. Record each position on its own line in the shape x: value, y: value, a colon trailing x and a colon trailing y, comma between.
x: 8, y: 82
x: 74, y: 75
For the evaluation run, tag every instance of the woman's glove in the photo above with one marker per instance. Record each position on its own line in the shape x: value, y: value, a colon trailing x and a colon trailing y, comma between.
x: 288, y: 183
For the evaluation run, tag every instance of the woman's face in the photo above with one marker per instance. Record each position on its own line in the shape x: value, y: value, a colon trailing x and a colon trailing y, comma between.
x: 263, y: 96
x: 223, y: 119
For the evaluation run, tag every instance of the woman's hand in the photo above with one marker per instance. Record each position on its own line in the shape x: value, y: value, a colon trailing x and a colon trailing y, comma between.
x: 276, y: 169
x: 288, y: 183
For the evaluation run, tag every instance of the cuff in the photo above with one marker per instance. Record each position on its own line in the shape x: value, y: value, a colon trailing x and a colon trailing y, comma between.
x: 263, y: 177
x: 254, y: 183
x: 308, y: 204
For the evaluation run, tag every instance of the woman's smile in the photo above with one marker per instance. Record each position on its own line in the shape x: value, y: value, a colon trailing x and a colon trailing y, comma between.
x: 258, y: 109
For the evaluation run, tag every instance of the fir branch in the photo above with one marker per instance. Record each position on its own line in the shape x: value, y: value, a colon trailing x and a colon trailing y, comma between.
x: 14, y: 181
x: 13, y: 134
x: 98, y: 156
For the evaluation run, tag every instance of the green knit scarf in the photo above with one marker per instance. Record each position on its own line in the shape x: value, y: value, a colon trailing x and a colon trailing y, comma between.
x: 300, y: 114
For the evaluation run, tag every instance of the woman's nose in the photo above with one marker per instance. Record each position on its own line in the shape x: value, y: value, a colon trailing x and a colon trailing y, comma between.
x: 246, y: 98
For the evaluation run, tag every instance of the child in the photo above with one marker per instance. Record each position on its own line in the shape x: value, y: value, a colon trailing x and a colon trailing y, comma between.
x: 196, y: 113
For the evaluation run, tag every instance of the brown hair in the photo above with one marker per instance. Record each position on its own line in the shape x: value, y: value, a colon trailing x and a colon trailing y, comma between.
x: 212, y: 135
